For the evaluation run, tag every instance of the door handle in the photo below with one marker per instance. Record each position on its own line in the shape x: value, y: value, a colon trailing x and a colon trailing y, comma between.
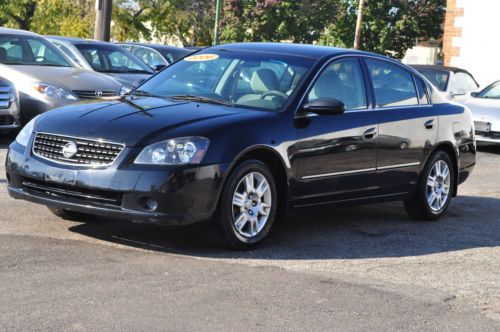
x: 370, y: 133
x: 429, y: 124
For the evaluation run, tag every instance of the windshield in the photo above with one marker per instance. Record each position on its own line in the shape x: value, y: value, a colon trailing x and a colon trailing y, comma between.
x: 30, y: 50
x: 492, y: 92
x: 112, y: 59
x: 174, y: 55
x: 258, y: 80
x: 437, y: 77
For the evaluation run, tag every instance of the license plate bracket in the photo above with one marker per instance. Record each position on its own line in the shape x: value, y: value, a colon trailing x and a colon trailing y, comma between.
x: 62, y: 176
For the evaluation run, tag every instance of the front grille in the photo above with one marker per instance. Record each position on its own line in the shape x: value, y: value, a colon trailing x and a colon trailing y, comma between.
x: 92, y: 94
x: 6, y: 120
x: 4, y: 97
x: 88, y: 152
x: 84, y: 195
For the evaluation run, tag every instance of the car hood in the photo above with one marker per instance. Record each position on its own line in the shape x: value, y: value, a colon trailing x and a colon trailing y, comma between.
x: 130, y: 80
x: 130, y: 121
x: 484, y: 109
x: 68, y: 78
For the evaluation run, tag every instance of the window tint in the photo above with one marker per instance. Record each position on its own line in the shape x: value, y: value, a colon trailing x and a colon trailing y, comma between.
x: 344, y: 81
x: 437, y: 77
x: 493, y: 92
x: 152, y: 58
x: 422, y: 91
x: 393, y: 86
x: 28, y: 50
x: 463, y: 82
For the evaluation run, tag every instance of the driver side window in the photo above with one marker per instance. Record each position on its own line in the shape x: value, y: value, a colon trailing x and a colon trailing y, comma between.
x: 341, y: 80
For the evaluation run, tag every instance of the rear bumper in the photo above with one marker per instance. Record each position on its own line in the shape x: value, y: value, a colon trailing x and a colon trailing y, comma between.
x: 183, y: 195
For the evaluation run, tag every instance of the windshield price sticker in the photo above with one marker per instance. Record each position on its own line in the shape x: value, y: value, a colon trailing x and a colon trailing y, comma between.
x: 201, y: 57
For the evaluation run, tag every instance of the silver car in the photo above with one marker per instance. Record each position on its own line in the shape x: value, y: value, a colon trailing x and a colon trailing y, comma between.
x: 9, y: 106
x: 44, y: 77
x: 485, y: 108
x: 105, y: 58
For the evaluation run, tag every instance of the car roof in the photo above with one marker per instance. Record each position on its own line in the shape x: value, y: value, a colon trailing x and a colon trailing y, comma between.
x: 74, y: 41
x: 17, y: 32
x: 440, y: 68
x: 304, y: 50
x: 156, y: 46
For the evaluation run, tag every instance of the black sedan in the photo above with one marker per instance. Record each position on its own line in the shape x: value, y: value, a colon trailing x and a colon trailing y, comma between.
x: 244, y: 134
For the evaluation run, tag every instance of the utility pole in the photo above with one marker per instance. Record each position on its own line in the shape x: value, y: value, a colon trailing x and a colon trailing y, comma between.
x: 359, y: 24
x: 217, y: 21
x: 103, y: 10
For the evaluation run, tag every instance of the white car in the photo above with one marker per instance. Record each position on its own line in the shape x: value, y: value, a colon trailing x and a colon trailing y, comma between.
x: 485, y: 108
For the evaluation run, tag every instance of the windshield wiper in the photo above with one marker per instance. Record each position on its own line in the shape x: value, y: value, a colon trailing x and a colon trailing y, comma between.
x: 143, y: 93
x: 201, y: 99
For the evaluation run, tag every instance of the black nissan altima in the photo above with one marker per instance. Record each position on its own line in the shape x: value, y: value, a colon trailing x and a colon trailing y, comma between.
x: 244, y: 134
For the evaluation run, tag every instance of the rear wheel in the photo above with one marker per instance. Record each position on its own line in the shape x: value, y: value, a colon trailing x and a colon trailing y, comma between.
x: 247, y: 208
x: 68, y: 214
x: 435, y: 189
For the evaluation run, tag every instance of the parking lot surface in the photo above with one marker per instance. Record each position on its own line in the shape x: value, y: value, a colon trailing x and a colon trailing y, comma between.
x: 362, y: 268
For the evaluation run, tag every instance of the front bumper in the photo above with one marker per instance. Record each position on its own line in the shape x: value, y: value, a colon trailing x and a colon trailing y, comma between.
x: 9, y: 117
x: 184, y: 195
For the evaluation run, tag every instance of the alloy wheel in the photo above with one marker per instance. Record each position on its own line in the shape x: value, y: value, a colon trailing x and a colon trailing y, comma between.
x: 252, y: 202
x: 438, y: 186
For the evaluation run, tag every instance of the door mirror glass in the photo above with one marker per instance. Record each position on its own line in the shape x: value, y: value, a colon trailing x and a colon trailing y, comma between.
x: 157, y: 68
x: 474, y: 94
x: 459, y: 92
x: 325, y: 106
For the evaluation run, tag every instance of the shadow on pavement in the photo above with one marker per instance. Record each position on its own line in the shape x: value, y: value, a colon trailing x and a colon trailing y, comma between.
x: 370, y: 231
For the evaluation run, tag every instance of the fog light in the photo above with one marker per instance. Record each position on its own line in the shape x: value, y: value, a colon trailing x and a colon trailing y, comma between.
x: 151, y: 204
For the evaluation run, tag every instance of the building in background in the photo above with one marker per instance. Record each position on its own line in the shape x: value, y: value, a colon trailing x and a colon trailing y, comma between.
x: 471, y: 38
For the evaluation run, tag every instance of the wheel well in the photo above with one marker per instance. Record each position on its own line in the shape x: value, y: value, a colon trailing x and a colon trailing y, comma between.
x: 274, y: 162
x: 447, y: 148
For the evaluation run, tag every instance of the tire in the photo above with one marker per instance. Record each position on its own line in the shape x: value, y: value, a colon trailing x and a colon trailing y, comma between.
x: 422, y: 206
x: 245, y: 215
x: 68, y: 214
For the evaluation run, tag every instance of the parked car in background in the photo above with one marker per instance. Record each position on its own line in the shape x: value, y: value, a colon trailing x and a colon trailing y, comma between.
x: 313, y: 126
x: 9, y: 107
x: 105, y: 58
x: 455, y: 83
x: 485, y: 108
x: 44, y: 77
x: 156, y: 56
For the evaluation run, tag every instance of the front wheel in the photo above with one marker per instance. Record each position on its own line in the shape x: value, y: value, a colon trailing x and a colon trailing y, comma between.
x: 435, y: 189
x: 247, y: 207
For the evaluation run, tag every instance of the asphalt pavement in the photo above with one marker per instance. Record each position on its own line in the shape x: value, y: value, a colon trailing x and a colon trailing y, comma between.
x: 349, y: 269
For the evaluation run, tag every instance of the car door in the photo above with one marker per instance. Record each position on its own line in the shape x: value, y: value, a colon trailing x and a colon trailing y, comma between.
x: 335, y: 156
x: 408, y: 126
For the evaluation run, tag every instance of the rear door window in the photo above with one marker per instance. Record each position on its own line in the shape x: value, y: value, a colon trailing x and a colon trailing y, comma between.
x: 393, y: 85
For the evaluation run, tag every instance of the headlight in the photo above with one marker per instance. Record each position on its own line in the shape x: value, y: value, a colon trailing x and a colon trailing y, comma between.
x: 125, y: 90
x: 54, y: 91
x: 24, y: 135
x: 12, y: 95
x: 178, y: 151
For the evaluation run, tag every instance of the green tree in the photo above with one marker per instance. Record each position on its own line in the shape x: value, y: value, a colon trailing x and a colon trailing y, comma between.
x: 389, y: 27
x: 129, y: 20
x: 17, y: 13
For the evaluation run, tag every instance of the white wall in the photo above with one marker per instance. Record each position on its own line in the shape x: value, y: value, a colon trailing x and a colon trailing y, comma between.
x: 480, y: 42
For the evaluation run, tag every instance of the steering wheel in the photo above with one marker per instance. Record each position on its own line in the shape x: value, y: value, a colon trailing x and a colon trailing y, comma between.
x: 276, y: 93
x: 42, y: 58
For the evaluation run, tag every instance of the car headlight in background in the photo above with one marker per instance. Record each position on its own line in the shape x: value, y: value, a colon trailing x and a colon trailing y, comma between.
x: 54, y: 91
x: 24, y: 135
x: 176, y: 151
x: 12, y: 95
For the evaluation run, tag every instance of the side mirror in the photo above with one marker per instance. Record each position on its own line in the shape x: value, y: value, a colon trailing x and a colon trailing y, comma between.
x: 459, y: 92
x: 325, y: 106
x: 158, y: 68
x: 474, y: 94
x: 138, y: 82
